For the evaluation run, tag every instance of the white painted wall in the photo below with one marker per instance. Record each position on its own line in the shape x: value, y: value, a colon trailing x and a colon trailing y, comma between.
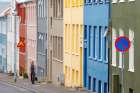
x: 10, y: 45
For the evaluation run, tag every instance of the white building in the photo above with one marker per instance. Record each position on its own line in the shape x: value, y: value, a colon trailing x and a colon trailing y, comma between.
x: 7, y: 39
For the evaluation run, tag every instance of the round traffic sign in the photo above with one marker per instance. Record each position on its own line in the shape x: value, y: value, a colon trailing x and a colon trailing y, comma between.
x: 122, y: 44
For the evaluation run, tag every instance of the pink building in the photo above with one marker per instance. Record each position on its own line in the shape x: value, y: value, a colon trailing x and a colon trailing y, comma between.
x: 31, y: 32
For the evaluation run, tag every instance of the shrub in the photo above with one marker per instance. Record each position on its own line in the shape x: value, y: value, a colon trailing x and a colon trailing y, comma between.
x: 25, y: 76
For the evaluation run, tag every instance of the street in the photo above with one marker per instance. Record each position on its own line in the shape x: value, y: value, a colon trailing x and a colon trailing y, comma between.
x: 6, y: 88
x: 7, y: 85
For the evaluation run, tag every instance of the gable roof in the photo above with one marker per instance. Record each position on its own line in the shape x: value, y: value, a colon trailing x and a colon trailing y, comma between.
x: 3, y: 6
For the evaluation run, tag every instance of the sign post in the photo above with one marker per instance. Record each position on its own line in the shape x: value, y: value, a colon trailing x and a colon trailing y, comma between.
x: 122, y: 45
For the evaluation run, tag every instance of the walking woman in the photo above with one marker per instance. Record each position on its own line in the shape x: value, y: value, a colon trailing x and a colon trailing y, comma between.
x: 32, y: 68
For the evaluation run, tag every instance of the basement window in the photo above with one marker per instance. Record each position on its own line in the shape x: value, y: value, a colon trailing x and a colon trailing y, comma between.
x: 131, y: 90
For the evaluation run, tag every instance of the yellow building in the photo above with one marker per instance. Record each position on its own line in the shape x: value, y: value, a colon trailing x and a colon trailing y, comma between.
x: 73, y: 43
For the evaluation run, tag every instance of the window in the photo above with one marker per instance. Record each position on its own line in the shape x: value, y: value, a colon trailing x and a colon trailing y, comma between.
x: 131, y: 90
x: 89, y: 1
x: 73, y: 3
x: 99, y: 87
x: 120, y: 91
x: 73, y: 75
x: 105, y: 45
x: 121, y: 0
x: 58, y: 9
x: 89, y: 82
x: 61, y: 48
x: 121, y: 33
x: 65, y: 3
x: 85, y: 32
x: 105, y: 88
x: 44, y: 8
x: 77, y: 3
x: 85, y: 1
x: 56, y: 44
x: 100, y: 41
x: 95, y: 1
x: 114, y: 1
x: 94, y: 84
x: 77, y: 38
x: 53, y: 46
x: 107, y: 1
x: 94, y: 41
x: 131, y: 0
x: 68, y: 3
x: 105, y: 48
x: 76, y: 76
x: 51, y: 1
x: 113, y: 47
x: 81, y: 2
x: 131, y: 51
x: 81, y: 30
x: 66, y: 69
x: 89, y: 43
x: 66, y: 36
x: 51, y: 21
x: 73, y: 37
x: 100, y: 1
x: 69, y: 73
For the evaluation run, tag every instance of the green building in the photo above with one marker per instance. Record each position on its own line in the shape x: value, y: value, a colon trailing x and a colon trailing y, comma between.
x: 125, y: 19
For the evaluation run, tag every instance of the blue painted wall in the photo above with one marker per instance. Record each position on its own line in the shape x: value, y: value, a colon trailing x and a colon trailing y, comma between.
x: 3, y: 44
x: 96, y: 19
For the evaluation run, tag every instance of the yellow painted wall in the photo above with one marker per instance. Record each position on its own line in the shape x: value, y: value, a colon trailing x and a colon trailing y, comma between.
x: 73, y: 38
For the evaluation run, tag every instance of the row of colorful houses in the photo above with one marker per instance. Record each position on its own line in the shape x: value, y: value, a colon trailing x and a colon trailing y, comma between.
x: 72, y: 42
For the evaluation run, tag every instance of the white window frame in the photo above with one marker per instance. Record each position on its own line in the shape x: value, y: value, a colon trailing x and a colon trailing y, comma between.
x: 122, y: 1
x: 114, y: 1
x: 114, y: 36
x: 131, y: 0
x: 131, y: 51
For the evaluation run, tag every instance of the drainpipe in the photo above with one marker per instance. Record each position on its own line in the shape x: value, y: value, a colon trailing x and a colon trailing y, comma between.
x: 14, y: 12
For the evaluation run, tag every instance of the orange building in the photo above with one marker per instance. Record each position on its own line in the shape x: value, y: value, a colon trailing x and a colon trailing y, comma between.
x: 22, y: 36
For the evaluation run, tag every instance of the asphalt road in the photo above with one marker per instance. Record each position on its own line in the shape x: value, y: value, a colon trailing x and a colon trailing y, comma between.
x: 6, y: 88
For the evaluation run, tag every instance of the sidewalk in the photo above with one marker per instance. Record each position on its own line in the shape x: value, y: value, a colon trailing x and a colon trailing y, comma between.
x: 38, y: 87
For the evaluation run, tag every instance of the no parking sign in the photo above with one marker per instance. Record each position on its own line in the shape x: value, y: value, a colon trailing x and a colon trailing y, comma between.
x: 122, y: 44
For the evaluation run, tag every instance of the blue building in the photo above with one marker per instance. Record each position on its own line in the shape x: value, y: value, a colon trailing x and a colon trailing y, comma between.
x: 3, y: 43
x: 96, y: 20
x: 3, y: 37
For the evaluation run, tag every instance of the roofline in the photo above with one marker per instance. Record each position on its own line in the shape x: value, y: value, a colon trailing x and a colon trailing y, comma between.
x: 24, y: 1
x: 3, y: 12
